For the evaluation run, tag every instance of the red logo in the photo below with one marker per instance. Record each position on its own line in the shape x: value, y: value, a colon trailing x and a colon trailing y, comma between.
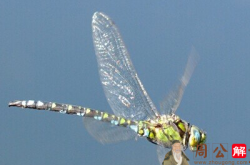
x: 239, y: 150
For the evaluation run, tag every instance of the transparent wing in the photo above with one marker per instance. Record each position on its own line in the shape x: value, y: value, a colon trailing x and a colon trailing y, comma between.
x: 161, y: 152
x: 106, y: 133
x: 123, y: 88
x: 173, y: 100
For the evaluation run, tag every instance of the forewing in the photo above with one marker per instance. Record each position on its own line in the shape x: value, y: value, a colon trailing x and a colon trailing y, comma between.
x: 173, y: 100
x: 123, y: 88
x: 106, y: 133
x: 161, y: 152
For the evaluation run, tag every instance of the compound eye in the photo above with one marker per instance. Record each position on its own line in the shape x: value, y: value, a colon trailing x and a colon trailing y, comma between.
x: 194, y: 138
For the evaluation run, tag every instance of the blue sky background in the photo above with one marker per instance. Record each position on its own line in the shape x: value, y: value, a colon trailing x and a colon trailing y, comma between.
x: 46, y: 53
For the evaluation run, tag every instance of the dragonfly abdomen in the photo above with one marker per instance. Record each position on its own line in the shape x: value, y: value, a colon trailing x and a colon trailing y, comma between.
x: 50, y: 106
x: 76, y: 110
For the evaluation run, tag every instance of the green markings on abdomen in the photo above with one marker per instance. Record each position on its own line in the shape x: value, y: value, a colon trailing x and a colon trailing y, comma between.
x: 95, y: 114
x: 106, y: 117
x: 66, y: 108
x: 76, y: 110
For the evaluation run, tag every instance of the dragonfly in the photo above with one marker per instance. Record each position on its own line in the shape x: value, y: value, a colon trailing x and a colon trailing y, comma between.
x: 135, y: 115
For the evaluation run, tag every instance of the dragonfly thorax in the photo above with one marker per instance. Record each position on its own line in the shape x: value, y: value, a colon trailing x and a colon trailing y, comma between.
x: 164, y: 129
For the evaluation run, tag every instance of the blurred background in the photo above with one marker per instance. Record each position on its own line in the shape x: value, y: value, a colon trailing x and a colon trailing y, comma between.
x: 46, y: 53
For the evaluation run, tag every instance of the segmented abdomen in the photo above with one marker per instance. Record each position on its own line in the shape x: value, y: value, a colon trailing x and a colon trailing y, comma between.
x: 76, y: 110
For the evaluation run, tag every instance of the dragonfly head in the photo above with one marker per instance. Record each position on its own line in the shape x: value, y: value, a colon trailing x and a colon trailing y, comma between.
x: 197, y: 137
